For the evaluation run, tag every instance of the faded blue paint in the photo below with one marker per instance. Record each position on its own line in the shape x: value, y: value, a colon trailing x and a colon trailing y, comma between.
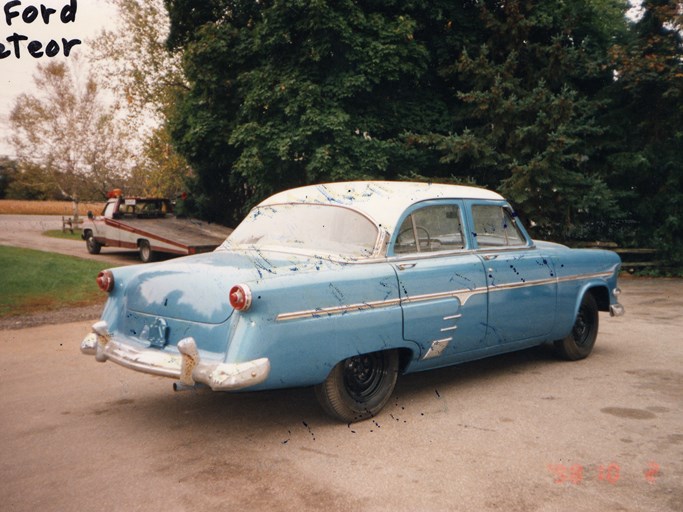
x: 310, y: 312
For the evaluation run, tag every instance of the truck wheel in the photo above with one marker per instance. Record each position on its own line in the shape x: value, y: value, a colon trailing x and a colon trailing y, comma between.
x: 358, y: 387
x: 579, y: 343
x: 146, y: 252
x: 93, y: 245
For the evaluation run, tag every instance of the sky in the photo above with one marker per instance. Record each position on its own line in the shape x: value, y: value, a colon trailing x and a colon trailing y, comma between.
x: 16, y: 74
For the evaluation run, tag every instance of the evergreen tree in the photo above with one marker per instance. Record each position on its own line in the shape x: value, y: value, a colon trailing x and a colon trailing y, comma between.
x: 647, y: 125
x: 529, y: 98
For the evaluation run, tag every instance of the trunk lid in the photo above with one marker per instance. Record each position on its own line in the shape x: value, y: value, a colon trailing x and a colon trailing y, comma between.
x: 194, y: 289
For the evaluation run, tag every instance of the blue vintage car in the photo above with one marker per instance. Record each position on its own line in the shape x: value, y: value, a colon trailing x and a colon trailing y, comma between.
x: 343, y: 286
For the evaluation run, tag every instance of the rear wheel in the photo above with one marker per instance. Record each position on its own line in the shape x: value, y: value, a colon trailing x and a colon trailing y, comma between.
x: 579, y: 343
x: 146, y: 253
x: 359, y: 387
x: 93, y: 245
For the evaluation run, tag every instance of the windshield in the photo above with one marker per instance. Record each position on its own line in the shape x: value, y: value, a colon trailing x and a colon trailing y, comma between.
x: 317, y: 228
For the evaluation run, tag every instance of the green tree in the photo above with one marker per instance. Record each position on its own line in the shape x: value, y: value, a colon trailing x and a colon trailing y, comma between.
x: 515, y: 95
x: 32, y: 182
x: 8, y: 171
x: 647, y: 127
x: 161, y: 171
x: 288, y: 93
x: 529, y: 97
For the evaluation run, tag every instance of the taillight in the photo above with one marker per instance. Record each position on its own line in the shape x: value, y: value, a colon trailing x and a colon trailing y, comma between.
x: 240, y: 297
x: 105, y: 280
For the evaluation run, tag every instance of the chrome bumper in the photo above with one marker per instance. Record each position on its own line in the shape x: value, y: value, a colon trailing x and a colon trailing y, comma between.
x: 616, y: 310
x: 187, y: 366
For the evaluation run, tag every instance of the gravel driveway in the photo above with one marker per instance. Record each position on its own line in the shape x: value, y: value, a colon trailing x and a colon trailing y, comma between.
x: 26, y: 231
x: 522, y: 432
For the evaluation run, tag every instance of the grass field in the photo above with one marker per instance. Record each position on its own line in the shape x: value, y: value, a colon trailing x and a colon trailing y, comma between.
x: 33, y: 281
x: 58, y: 233
x: 15, y: 207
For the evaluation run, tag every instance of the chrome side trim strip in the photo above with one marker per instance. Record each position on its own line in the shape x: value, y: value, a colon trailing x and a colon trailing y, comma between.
x: 462, y: 295
x: 337, y: 310
x: 552, y: 280
x: 585, y: 276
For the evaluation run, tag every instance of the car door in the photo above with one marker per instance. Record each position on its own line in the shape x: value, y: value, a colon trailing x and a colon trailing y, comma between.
x: 521, y: 281
x: 104, y: 232
x: 442, y: 284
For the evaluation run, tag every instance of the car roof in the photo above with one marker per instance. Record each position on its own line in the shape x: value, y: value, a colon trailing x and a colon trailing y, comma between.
x: 382, y: 201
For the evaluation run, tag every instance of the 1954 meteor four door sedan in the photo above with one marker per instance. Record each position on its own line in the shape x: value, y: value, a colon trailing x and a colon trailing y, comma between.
x: 343, y: 286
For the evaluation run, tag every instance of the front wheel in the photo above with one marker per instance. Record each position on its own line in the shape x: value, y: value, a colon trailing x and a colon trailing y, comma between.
x: 360, y: 386
x: 92, y: 245
x: 579, y: 343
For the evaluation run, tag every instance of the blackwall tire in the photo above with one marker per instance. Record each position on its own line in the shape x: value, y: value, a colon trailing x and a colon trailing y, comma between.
x: 92, y: 245
x: 579, y: 343
x: 360, y: 386
x: 146, y: 253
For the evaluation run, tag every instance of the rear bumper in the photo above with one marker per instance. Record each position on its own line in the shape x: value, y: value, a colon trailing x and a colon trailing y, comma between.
x: 187, y: 366
x: 616, y: 310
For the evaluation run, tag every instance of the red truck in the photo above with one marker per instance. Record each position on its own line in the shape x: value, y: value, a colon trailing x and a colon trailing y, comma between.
x: 148, y: 225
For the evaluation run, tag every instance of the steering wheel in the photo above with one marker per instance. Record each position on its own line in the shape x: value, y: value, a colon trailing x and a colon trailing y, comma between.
x: 417, y: 228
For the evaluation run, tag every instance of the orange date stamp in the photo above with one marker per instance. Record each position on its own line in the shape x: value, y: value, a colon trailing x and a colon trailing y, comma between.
x: 576, y: 474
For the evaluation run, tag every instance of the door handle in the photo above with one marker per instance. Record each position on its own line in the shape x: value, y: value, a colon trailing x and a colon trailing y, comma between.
x: 405, y: 266
x: 489, y: 257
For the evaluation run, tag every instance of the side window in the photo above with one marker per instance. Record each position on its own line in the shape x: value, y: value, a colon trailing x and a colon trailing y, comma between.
x: 430, y: 229
x: 494, y: 227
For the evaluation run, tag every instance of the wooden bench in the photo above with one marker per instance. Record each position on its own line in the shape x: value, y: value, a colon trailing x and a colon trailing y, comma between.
x: 68, y: 223
x: 637, y: 258
x: 632, y: 258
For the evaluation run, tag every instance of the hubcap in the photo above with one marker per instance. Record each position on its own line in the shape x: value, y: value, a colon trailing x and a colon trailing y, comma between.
x: 582, y: 327
x: 363, y: 375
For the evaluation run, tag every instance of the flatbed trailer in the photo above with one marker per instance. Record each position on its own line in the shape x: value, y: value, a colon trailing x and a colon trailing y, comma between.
x: 149, y: 226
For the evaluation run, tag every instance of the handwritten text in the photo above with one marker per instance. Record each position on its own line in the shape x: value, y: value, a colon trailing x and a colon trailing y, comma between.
x: 15, y: 10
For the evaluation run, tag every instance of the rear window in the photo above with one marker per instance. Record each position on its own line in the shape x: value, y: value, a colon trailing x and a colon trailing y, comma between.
x: 309, y: 228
